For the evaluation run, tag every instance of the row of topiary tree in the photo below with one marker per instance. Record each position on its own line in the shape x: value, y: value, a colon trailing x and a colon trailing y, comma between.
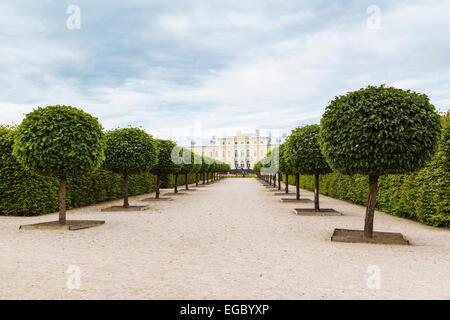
x: 64, y: 141
x: 373, y: 131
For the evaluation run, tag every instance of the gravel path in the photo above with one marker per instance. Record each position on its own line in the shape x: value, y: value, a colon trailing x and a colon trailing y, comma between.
x: 229, y: 240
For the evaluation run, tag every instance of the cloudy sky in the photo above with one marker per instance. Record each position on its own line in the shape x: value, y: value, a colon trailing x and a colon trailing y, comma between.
x: 207, y: 67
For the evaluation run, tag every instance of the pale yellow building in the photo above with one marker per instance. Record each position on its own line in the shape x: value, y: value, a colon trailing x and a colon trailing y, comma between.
x: 241, y: 151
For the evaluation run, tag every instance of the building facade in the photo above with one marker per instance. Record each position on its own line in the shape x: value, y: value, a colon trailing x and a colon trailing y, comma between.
x: 240, y: 152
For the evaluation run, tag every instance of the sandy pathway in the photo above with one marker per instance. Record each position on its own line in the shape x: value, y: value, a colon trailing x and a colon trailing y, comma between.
x: 232, y: 239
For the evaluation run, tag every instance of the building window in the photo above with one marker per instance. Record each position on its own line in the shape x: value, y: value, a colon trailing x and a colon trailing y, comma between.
x: 210, y: 153
x: 229, y: 153
x: 217, y: 154
x: 262, y: 153
x: 235, y: 153
x: 255, y: 153
x: 248, y: 153
x: 242, y: 153
x: 223, y: 154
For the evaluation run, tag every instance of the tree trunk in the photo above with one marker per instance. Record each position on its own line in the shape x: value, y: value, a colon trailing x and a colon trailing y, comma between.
x: 176, y: 184
x: 125, y: 191
x: 196, y: 179
x: 203, y: 176
x: 62, y: 200
x: 186, y: 182
x: 158, y: 181
x: 287, y: 183
x: 270, y: 179
x: 274, y: 181
x: 370, y: 208
x: 316, y: 193
x: 297, y: 187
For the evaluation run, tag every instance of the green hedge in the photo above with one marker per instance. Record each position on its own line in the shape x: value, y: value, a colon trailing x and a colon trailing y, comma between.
x: 23, y: 193
x: 423, y: 196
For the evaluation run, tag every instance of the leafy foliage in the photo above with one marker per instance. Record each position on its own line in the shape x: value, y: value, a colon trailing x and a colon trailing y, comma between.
x: 302, y: 151
x: 206, y: 164
x: 130, y: 150
x: 283, y: 165
x: 189, y: 165
x: 423, y: 196
x: 25, y: 193
x: 257, y: 167
x: 59, y: 141
x: 379, y: 130
x: 165, y: 164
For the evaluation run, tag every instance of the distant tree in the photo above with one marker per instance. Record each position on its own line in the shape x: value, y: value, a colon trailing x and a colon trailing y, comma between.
x: 165, y: 165
x: 204, y: 168
x: 60, y: 141
x: 376, y: 131
x: 292, y: 158
x: 189, y: 165
x: 284, y: 167
x: 129, y: 151
x: 198, y: 162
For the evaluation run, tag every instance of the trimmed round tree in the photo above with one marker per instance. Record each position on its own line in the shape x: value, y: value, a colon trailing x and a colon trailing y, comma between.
x: 292, y: 158
x: 60, y: 141
x: 165, y: 165
x: 283, y: 166
x: 204, y: 169
x: 178, y: 159
x: 257, y: 169
x: 189, y: 165
x: 306, y: 156
x: 211, y: 170
x: 198, y: 168
x: 376, y: 131
x: 275, y: 165
x: 271, y: 165
x: 129, y: 151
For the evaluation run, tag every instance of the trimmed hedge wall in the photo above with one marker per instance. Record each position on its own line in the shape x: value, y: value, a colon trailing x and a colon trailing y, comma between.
x: 23, y: 193
x: 423, y: 196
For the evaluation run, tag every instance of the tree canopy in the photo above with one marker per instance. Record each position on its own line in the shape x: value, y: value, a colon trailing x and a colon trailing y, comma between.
x: 189, y: 165
x: 283, y: 165
x: 130, y: 150
x: 165, y: 164
x: 379, y: 130
x: 303, y: 151
x: 59, y: 141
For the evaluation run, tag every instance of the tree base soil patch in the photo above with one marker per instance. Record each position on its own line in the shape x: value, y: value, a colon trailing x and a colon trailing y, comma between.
x: 158, y: 199
x: 121, y: 208
x: 69, y: 225
x: 302, y: 200
x: 179, y: 193
x: 280, y: 193
x: 312, y: 212
x: 353, y: 236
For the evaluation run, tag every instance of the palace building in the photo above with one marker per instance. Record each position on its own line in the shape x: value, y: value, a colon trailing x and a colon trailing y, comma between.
x: 240, y: 151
